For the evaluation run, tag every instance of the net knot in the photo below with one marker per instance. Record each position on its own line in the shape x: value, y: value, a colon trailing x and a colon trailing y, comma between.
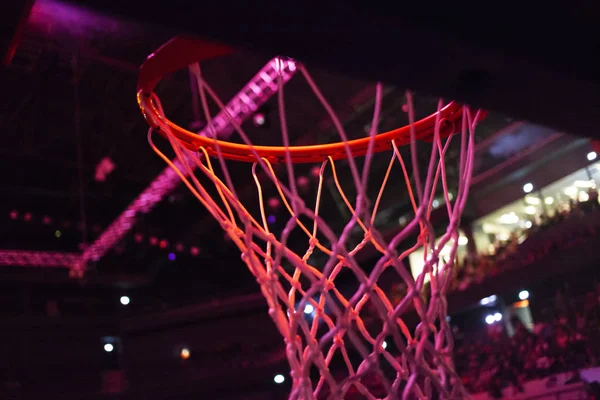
x: 338, y: 340
x: 328, y: 285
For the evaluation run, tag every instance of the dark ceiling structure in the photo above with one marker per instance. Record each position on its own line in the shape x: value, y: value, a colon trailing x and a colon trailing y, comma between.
x: 530, y: 62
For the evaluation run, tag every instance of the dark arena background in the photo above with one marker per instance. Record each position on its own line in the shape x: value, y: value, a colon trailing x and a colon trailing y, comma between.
x: 115, y: 283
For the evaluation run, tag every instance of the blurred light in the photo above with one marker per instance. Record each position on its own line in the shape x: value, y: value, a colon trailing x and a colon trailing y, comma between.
x: 108, y: 347
x: 271, y: 219
x: 502, y: 236
x: 510, y: 218
x: 448, y: 318
x: 531, y: 210
x: 27, y: 217
x: 523, y: 295
x: 259, y: 119
x: 163, y: 244
x: 497, y: 317
x: 138, y: 237
x: 584, y: 184
x: 549, y: 200
x: 303, y: 182
x: 571, y: 191
x: 179, y: 247
x: 125, y: 300
x: 488, y: 300
x: 172, y: 256
x: 583, y: 196
x: 521, y: 304
x: 402, y: 220
x: 462, y: 240
x: 308, y: 309
x: 194, y: 251
x: 184, y: 353
x: 532, y: 200
x: 528, y: 187
x: 315, y: 171
x: 46, y: 220
x: 591, y: 156
x: 435, y: 203
x: 273, y: 202
x: 450, y: 196
x: 489, y: 319
x: 153, y: 241
x: 279, y: 379
x: 14, y: 214
x: 384, y: 344
x: 292, y: 66
x: 528, y: 224
x: 57, y: 233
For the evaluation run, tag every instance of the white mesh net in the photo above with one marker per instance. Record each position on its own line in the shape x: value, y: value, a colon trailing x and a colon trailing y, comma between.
x: 343, y: 341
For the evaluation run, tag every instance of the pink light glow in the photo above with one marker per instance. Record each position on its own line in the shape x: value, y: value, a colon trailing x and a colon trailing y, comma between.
x: 195, y: 251
x: 14, y: 214
x: 252, y: 96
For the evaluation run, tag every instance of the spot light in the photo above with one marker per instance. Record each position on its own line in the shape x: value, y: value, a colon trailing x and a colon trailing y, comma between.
x: 57, y: 234
x: 308, y: 309
x: 108, y: 347
x: 523, y: 295
x: 185, y: 353
x: 528, y: 187
x: 384, y: 344
x: 172, y: 256
x: 259, y: 119
x: 488, y: 300
x: 125, y: 300
x: 279, y: 379
x: 591, y: 156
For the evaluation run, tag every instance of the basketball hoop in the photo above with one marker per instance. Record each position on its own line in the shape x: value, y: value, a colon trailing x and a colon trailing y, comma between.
x: 348, y: 348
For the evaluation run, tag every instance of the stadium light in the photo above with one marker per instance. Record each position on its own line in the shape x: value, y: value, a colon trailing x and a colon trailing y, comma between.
x: 279, y: 379
x: 489, y: 319
x: 523, y: 295
x: 528, y: 187
x: 488, y: 300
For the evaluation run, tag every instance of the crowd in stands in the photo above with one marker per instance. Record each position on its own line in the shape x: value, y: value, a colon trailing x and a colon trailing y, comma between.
x: 515, y: 252
x: 567, y: 341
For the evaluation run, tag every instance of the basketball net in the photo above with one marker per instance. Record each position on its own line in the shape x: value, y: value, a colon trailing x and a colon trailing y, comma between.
x: 418, y: 362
